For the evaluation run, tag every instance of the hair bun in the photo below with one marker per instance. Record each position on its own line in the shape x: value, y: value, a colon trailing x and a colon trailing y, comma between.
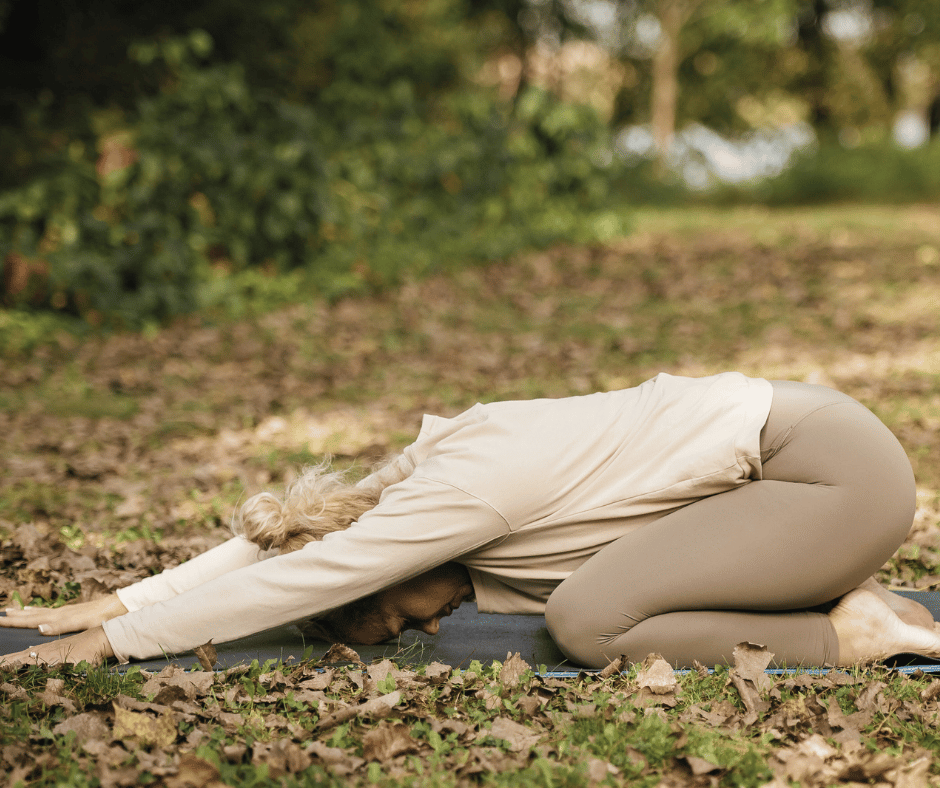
x: 318, y: 502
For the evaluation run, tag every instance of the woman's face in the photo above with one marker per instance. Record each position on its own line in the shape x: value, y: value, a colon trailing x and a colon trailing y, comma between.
x: 419, y: 603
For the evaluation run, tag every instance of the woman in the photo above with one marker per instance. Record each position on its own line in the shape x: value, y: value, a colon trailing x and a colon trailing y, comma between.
x: 681, y: 517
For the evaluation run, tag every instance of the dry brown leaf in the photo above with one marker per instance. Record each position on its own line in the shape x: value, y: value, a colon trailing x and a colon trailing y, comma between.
x: 750, y: 662
x: 13, y: 692
x: 386, y: 741
x: 599, y: 770
x: 374, y: 709
x: 143, y: 728
x: 88, y: 725
x: 282, y: 756
x: 657, y: 676
x: 867, y: 766
x: 381, y: 671
x: 930, y: 692
x: 173, y: 683
x: 207, y: 655
x: 320, y: 680
x: 519, y: 737
x: 52, y: 696
x: 194, y: 772
x: 339, y: 653
x: 700, y: 766
x: 913, y: 774
x: 872, y: 699
x: 615, y: 667
x: 512, y: 670
x: 489, y: 760
x: 438, y: 672
x: 750, y: 680
x: 340, y: 761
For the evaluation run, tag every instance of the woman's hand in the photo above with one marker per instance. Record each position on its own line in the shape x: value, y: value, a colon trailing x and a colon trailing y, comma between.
x: 91, y: 646
x: 68, y: 618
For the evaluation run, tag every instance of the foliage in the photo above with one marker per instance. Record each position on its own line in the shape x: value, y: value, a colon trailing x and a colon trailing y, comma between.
x: 871, y: 173
x: 216, y: 172
x: 726, y: 50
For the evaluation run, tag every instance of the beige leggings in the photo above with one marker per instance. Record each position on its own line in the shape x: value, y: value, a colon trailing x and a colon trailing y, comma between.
x: 835, y: 502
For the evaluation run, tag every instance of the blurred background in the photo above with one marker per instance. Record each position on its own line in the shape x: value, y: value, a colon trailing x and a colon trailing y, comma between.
x: 171, y: 156
x: 241, y: 236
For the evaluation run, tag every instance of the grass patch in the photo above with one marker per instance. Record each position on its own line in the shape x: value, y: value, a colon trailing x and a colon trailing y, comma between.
x: 260, y: 725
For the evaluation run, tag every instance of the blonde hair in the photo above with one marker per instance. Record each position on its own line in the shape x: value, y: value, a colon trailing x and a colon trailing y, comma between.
x: 319, y: 502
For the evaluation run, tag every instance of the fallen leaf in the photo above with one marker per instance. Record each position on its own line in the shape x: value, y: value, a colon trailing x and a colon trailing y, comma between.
x: 339, y: 760
x: 51, y: 696
x: 750, y: 680
x: 438, y: 672
x: 599, y: 770
x: 374, y: 709
x: 207, y: 655
x: 750, y: 662
x: 194, y: 772
x: 319, y: 681
x: 657, y: 676
x: 519, y: 737
x: 381, y: 671
x: 339, y: 652
x: 13, y: 692
x: 512, y: 670
x: 281, y: 756
x: 88, y: 725
x: 700, y: 766
x: 386, y: 741
x: 615, y: 667
x: 143, y: 728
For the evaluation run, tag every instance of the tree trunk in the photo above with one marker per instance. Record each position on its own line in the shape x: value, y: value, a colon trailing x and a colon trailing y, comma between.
x: 671, y: 15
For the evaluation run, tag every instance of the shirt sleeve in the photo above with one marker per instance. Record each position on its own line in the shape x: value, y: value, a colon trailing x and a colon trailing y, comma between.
x: 419, y: 524
x: 226, y: 557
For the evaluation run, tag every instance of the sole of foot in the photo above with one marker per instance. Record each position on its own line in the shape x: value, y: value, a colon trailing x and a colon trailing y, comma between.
x: 868, y: 630
x: 908, y: 610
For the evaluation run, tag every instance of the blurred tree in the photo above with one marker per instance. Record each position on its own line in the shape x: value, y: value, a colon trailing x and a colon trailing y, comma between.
x: 663, y: 37
x: 356, y: 143
x: 812, y: 63
x: 904, y: 52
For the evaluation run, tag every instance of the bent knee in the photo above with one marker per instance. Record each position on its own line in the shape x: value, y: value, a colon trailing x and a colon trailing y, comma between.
x: 577, y: 634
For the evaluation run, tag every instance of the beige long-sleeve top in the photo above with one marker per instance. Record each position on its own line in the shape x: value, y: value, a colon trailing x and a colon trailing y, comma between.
x: 521, y: 492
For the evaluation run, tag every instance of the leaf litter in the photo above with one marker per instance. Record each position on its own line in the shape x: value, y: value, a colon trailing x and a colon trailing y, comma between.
x: 125, y: 454
x: 813, y: 729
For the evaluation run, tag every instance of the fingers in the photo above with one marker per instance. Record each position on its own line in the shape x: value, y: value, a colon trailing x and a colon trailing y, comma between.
x: 68, y: 650
x: 22, y: 618
x: 30, y: 656
x: 73, y: 617
x: 30, y: 618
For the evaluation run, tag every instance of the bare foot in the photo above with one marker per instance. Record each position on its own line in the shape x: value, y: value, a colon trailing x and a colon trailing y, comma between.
x: 869, y: 630
x: 909, y: 611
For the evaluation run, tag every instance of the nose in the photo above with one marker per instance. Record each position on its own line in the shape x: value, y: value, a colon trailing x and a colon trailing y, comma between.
x: 431, y: 626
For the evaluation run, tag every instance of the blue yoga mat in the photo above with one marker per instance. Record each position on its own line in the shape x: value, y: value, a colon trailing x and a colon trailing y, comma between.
x: 464, y: 637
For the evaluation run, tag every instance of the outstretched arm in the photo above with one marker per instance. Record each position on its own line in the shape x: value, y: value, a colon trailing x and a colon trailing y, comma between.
x: 76, y: 617
x: 234, y: 554
x: 420, y: 524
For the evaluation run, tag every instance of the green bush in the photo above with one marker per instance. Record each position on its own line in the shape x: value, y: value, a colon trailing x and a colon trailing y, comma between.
x: 219, y: 174
x: 871, y: 173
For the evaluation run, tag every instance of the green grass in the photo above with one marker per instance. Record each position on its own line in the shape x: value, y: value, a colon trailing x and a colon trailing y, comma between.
x: 581, y: 729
